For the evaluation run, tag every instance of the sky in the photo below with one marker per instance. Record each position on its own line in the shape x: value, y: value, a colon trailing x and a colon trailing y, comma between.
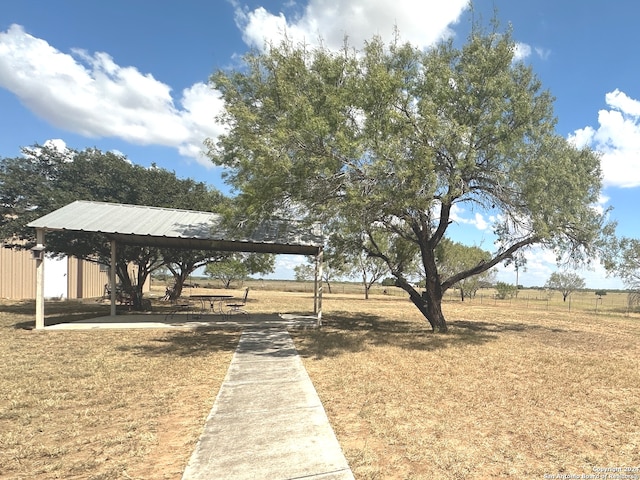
x: 132, y: 77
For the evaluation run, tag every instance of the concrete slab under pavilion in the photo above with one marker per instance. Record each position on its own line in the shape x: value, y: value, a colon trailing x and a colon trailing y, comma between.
x: 183, y: 321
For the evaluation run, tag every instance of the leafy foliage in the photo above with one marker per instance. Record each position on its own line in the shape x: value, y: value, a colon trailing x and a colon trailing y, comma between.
x: 388, y: 282
x: 45, y: 179
x: 182, y: 263
x: 453, y: 257
x: 236, y: 267
x: 565, y: 283
x: 304, y: 272
x: 333, y: 267
x: 505, y: 290
x: 368, y: 269
x: 385, y: 142
x: 623, y: 259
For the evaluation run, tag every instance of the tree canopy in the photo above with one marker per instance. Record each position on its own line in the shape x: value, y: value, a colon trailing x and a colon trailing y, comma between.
x: 387, y: 141
x: 453, y: 257
x: 44, y: 179
x: 623, y: 259
x: 565, y: 282
x: 233, y: 267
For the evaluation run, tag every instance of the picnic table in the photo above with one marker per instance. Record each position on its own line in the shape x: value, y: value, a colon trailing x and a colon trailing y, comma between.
x: 213, y: 300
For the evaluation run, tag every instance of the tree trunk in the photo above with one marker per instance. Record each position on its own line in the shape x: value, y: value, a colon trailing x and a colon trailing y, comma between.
x: 364, y: 283
x: 433, y: 294
x: 328, y: 285
x: 433, y: 306
x: 430, y: 307
x: 136, y: 298
x: 176, y: 291
x: 462, y: 294
x: 180, y: 278
x: 134, y: 292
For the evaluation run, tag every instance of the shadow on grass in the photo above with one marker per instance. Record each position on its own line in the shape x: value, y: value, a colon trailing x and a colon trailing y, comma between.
x: 345, y: 332
x: 55, y: 312
x: 191, y: 343
x: 20, y: 307
x: 67, y: 311
x: 497, y: 327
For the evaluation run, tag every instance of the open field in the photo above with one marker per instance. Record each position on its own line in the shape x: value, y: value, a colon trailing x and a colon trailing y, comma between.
x: 529, y: 298
x: 510, y: 392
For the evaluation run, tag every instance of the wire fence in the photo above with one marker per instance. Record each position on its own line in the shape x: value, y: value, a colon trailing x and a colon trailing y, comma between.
x: 584, y: 301
x: 613, y: 303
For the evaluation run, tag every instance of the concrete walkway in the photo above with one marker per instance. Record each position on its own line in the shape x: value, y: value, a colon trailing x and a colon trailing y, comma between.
x: 267, y: 421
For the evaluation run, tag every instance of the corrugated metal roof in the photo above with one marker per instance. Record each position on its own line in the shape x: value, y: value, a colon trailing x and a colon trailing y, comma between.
x: 168, y: 227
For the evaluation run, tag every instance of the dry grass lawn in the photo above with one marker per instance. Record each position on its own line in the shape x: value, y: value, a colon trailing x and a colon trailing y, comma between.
x: 103, y: 404
x: 505, y: 394
x: 508, y: 393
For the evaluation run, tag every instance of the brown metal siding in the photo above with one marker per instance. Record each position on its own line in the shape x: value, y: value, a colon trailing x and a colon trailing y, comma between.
x: 85, y: 279
x: 17, y: 274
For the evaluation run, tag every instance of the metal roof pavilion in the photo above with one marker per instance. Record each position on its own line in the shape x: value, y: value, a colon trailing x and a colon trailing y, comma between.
x: 173, y: 228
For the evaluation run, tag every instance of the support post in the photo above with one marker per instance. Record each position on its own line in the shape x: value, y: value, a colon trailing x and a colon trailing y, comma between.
x: 39, y: 257
x: 112, y: 278
x: 317, y: 294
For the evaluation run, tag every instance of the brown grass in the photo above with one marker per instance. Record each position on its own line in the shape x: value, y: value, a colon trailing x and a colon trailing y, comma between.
x: 505, y: 394
x: 103, y: 404
x: 510, y: 392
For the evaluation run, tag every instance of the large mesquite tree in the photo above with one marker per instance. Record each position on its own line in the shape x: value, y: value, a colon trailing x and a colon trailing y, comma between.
x: 388, y: 140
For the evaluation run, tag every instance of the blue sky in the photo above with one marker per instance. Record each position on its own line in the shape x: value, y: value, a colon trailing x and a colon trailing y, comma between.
x: 132, y: 77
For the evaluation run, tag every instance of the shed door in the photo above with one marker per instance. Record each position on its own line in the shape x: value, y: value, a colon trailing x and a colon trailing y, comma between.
x: 55, y: 277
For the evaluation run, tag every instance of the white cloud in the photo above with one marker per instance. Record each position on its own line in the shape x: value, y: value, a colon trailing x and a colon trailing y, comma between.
x: 601, y: 204
x: 477, y: 221
x: 617, y: 138
x: 597, y: 277
x: 582, y: 137
x: 91, y: 95
x: 480, y: 222
x: 543, y: 53
x: 285, y: 265
x: 541, y: 263
x: 420, y: 22
x: 522, y: 51
x: 56, y: 143
x: 620, y: 101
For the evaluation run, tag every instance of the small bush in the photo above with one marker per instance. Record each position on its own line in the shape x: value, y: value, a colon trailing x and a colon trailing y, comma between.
x: 505, y: 290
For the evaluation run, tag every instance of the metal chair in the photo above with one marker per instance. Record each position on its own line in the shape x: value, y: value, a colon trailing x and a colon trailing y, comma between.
x: 180, y: 306
x: 238, y: 307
